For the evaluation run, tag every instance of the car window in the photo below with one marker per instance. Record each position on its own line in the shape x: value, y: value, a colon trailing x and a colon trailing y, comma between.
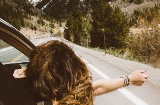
x: 10, y: 54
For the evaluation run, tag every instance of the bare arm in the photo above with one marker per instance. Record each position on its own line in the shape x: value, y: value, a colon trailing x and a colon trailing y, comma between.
x: 103, y: 86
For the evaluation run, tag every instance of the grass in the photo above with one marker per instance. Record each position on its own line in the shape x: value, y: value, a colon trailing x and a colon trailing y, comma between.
x: 3, y: 44
x: 120, y: 53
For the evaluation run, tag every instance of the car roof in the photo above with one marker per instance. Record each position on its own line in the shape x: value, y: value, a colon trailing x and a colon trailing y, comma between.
x: 12, y: 36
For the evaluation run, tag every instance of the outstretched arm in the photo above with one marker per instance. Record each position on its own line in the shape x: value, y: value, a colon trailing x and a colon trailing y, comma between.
x: 103, y: 86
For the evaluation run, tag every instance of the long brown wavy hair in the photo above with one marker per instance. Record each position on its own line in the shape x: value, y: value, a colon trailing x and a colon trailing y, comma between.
x: 58, y: 74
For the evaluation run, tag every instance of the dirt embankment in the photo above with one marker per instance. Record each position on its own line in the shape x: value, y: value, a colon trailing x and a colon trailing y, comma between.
x: 40, y: 32
x: 32, y: 34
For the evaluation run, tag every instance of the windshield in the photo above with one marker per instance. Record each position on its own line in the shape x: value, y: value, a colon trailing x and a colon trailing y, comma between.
x: 9, y: 54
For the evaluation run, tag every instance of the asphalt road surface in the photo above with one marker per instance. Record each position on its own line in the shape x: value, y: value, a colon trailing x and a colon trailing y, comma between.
x: 107, y: 66
x: 12, y: 55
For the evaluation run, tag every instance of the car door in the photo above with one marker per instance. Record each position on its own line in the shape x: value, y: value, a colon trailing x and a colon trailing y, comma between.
x: 13, y: 37
x: 15, y: 51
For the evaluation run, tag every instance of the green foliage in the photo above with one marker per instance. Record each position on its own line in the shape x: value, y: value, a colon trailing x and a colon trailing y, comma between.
x: 11, y: 15
x: 136, y: 1
x: 38, y: 21
x: 59, y: 9
x: 41, y: 21
x: 110, y: 23
x: 32, y: 27
x: 35, y: 28
x: 26, y: 6
x: 145, y: 47
x: 22, y: 22
x: 74, y: 29
x: 130, y: 1
x: 52, y: 24
x: 148, y: 14
x: 51, y: 31
x: 67, y: 34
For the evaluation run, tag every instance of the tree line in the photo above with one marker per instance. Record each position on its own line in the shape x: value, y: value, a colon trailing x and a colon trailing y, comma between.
x: 15, y: 14
x: 148, y: 14
x: 11, y: 15
x: 105, y: 26
x: 145, y: 46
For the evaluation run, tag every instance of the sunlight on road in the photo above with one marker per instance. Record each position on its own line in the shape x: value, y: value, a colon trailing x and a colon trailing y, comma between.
x: 125, y: 92
x: 21, y: 55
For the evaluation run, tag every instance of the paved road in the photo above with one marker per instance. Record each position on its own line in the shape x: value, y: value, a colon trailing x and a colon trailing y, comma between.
x: 12, y: 55
x: 107, y: 66
x: 114, y: 67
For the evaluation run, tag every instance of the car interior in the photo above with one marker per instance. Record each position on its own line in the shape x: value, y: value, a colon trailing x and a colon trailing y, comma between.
x: 11, y: 92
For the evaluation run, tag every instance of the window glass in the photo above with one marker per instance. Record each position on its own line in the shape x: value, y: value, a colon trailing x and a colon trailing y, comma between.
x: 10, y: 54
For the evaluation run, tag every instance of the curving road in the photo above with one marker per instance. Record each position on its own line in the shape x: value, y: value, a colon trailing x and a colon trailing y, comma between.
x: 108, y: 66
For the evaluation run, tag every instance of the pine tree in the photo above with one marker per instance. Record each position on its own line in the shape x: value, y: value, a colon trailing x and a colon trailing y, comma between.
x: 35, y: 28
x: 74, y: 25
x: 109, y: 26
x: 32, y: 27
x: 51, y: 31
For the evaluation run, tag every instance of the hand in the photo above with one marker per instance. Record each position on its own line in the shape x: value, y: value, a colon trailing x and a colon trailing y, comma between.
x: 138, y: 77
x: 19, y: 73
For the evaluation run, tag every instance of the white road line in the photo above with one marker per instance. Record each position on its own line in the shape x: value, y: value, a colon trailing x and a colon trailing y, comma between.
x: 21, y: 55
x: 17, y: 58
x: 38, y: 42
x: 125, y: 92
x: 6, y: 52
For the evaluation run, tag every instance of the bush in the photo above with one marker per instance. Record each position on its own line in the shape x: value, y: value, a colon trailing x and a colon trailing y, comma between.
x: 138, y: 1
x: 145, y: 47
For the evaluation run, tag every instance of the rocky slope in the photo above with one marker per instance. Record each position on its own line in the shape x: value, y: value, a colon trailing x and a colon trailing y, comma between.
x: 59, y: 8
x: 129, y: 7
x: 23, y: 5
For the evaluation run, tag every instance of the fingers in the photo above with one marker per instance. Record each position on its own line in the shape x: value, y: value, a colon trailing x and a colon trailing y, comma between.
x: 139, y: 77
x: 146, y: 76
x: 141, y: 71
x: 23, y: 68
x: 143, y: 77
x: 143, y: 74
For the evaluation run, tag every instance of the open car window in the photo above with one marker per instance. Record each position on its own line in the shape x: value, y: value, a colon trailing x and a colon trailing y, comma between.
x: 9, y: 54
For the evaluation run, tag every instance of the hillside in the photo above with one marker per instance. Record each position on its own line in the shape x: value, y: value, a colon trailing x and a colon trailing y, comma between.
x: 142, y: 18
x: 14, y: 11
x: 59, y: 8
x: 130, y: 7
x: 23, y: 5
x: 33, y: 29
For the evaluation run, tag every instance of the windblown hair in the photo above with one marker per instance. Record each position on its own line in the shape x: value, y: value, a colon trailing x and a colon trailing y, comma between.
x: 58, y: 74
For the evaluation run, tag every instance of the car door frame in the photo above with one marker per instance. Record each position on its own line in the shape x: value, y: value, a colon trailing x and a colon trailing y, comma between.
x: 13, y: 37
